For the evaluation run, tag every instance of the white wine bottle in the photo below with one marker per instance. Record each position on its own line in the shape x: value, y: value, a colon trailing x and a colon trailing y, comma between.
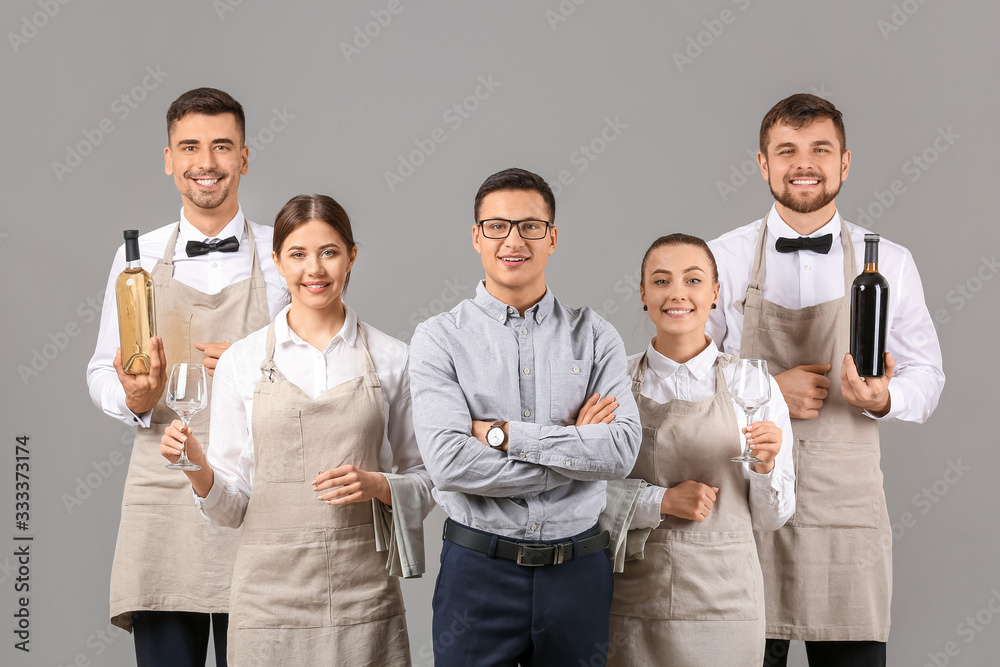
x: 136, y: 311
x: 869, y: 314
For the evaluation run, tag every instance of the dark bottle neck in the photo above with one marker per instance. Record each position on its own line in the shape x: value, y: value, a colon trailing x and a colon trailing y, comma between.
x: 871, y: 255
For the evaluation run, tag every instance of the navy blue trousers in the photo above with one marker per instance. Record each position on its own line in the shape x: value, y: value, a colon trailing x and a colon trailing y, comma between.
x: 178, y: 638
x: 829, y: 654
x: 491, y: 612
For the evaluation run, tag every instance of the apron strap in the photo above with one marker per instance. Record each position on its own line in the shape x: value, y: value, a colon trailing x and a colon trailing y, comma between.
x: 639, y: 374
x: 255, y: 265
x: 755, y: 289
x: 850, y: 266
x: 371, y: 377
x: 268, y: 369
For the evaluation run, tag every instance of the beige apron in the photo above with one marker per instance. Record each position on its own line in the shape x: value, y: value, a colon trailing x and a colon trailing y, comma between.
x: 309, y: 587
x: 696, y: 598
x: 168, y: 556
x: 828, y: 571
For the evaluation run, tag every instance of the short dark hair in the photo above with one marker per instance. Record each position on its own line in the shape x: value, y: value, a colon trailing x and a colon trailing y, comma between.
x: 516, y: 179
x: 798, y: 110
x: 679, y: 239
x: 301, y: 209
x: 207, y: 101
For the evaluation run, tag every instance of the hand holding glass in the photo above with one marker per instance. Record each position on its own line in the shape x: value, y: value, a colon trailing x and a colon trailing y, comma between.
x: 187, y: 394
x: 751, y: 389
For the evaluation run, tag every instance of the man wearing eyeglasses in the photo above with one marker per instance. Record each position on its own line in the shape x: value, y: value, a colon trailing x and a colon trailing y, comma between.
x: 522, y: 409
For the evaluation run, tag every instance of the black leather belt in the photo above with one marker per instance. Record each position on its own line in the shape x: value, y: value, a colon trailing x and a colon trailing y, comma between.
x: 530, y: 554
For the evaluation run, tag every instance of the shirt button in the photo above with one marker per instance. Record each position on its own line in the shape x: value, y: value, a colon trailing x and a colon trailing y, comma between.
x: 806, y: 267
x: 500, y: 317
x: 527, y: 413
x: 215, y: 265
x: 510, y: 310
x: 568, y: 463
x: 534, y: 526
x: 576, y: 369
x: 524, y: 331
x: 527, y: 371
x: 538, y: 318
x: 523, y: 455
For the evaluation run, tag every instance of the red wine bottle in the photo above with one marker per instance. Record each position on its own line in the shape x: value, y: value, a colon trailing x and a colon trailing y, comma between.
x: 869, y: 314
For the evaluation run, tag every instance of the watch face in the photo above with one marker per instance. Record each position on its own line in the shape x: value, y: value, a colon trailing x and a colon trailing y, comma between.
x: 494, y: 436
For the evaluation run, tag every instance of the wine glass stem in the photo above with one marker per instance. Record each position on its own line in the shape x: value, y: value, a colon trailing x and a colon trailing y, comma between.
x: 750, y: 414
x: 184, y: 447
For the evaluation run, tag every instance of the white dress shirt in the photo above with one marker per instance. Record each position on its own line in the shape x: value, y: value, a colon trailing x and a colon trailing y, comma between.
x: 208, y: 273
x: 772, y: 496
x: 805, y: 278
x: 313, y: 371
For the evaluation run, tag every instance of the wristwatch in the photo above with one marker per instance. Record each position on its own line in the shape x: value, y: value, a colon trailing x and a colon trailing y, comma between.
x: 495, y: 437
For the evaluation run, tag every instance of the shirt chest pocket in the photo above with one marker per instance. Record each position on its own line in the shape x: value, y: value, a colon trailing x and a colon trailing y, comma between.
x: 568, y: 381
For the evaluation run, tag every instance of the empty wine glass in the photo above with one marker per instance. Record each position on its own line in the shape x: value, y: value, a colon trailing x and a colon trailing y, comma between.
x: 187, y: 394
x: 751, y: 389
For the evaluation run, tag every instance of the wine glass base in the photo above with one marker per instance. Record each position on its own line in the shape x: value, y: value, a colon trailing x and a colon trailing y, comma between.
x: 183, y: 466
x: 745, y: 458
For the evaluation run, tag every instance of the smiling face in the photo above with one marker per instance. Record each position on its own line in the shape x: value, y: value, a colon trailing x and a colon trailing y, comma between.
x: 678, y: 288
x: 515, y: 268
x: 314, y: 261
x: 805, y: 167
x: 206, y: 157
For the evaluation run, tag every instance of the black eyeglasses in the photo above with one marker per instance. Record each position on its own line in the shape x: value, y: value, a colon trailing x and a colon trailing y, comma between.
x: 530, y: 229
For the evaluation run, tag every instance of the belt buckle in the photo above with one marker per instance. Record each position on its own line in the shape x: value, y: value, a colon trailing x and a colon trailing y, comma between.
x: 557, y: 555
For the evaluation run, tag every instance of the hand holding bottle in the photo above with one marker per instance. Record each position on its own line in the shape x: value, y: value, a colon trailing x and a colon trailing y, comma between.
x: 143, y: 391
x: 867, y: 393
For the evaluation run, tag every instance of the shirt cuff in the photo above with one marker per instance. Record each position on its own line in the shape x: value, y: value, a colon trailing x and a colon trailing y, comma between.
x: 142, y: 420
x: 212, y: 499
x: 522, y: 441
x: 895, y: 403
x: 767, y: 486
x: 647, y: 510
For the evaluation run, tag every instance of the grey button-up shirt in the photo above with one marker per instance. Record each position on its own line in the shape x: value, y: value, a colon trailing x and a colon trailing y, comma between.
x: 483, y: 361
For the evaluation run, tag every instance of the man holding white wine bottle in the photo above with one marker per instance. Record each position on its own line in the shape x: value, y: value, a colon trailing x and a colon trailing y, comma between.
x: 212, y: 287
x: 785, y: 298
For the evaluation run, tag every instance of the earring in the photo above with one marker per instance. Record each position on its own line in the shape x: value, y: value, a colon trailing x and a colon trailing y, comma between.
x: 646, y: 308
x: 714, y: 306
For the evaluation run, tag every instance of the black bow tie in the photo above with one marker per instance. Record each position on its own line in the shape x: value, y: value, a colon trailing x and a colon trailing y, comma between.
x: 195, y: 248
x: 820, y: 244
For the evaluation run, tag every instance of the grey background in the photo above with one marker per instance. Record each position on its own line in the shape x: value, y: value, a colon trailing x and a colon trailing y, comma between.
x: 688, y: 129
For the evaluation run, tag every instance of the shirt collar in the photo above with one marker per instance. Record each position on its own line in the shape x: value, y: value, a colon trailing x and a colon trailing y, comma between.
x: 283, y: 334
x: 499, y: 310
x: 700, y: 366
x: 778, y: 228
x: 235, y: 227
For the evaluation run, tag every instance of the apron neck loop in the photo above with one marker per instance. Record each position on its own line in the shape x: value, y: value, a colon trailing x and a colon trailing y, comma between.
x: 168, y: 251
x: 850, y: 267
x: 639, y: 374
x: 267, y: 367
x: 371, y: 377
